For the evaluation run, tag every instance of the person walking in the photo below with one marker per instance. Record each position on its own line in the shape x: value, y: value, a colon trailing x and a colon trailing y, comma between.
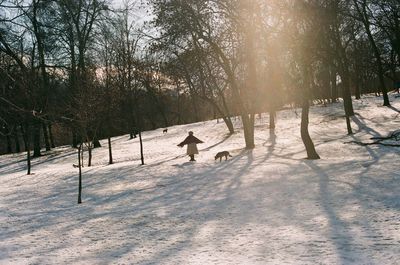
x: 191, y: 141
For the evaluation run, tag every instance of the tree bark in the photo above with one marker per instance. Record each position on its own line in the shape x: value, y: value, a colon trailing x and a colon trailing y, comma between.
x: 26, y: 137
x: 36, y: 139
x: 248, y: 129
x: 46, y: 137
x: 357, y: 91
x: 90, y: 154
x: 141, y: 147
x: 347, y: 101
x: 96, y: 143
x: 8, y: 141
x: 110, y: 160
x: 305, y: 136
x: 28, y: 158
x: 80, y: 174
x: 348, y: 124
x: 344, y: 72
x: 51, y: 136
x: 367, y: 25
x: 9, y: 147
x: 334, y: 90
x: 272, y: 115
x: 16, y: 140
x: 74, y: 139
x: 229, y: 124
x: 227, y: 119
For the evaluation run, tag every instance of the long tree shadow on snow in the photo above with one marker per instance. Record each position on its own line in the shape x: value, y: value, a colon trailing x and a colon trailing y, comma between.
x: 333, y: 199
x: 190, y: 192
x: 35, y: 162
x: 362, y: 125
x: 216, y: 144
x: 339, y: 231
x: 395, y: 109
x: 200, y: 192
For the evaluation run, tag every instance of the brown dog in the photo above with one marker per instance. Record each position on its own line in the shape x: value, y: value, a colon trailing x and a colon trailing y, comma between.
x: 222, y: 154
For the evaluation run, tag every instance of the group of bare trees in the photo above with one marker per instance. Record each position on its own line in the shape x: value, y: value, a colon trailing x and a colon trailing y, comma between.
x: 85, y: 66
x: 244, y: 57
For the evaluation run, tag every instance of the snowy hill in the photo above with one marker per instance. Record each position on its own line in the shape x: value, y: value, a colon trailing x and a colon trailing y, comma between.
x: 265, y: 206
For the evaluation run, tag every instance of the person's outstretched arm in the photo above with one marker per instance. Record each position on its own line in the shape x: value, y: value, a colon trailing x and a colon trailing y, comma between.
x: 183, y: 143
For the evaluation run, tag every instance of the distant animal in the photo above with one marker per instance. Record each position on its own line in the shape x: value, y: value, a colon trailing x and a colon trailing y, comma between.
x: 165, y: 130
x: 75, y: 165
x: 222, y: 154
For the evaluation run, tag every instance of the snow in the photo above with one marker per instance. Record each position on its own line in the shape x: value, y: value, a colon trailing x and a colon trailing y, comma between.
x: 265, y: 206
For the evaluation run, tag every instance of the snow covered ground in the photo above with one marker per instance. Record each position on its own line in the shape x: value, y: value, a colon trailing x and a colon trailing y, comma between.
x: 265, y: 206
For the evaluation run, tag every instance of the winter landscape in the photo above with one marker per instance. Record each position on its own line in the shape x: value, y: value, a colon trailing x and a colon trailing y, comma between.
x: 268, y: 205
x: 208, y: 132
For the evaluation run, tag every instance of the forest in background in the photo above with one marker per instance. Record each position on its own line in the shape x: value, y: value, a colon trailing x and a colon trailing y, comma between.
x: 76, y: 71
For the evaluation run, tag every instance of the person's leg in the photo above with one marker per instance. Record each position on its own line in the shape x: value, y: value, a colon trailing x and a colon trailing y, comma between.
x: 192, y: 158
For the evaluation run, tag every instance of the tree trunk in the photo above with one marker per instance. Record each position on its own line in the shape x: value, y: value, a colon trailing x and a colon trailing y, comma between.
x: 215, y: 117
x: 8, y: 140
x: 357, y: 80
x: 28, y: 159
x: 248, y: 129
x: 228, y: 113
x: 82, y: 163
x: 305, y: 136
x: 110, y: 161
x: 381, y: 73
x: 26, y: 137
x: 46, y: 137
x: 348, y: 124
x: 141, y: 147
x: 357, y: 91
x: 152, y: 123
x: 334, y: 90
x: 36, y: 139
x: 227, y: 119
x: 347, y: 101
x: 90, y: 154
x: 252, y: 122
x: 96, y: 143
x: 74, y: 139
x: 16, y: 140
x: 51, y: 136
x: 195, y: 108
x: 92, y: 138
x: 80, y: 174
x: 362, y: 11
x: 345, y: 76
x: 344, y: 73
x: 133, y: 132
x: 229, y: 124
x: 272, y: 115
x: 165, y: 119
x: 9, y: 147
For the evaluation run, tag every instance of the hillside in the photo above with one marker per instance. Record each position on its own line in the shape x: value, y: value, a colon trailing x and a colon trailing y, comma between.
x: 265, y: 206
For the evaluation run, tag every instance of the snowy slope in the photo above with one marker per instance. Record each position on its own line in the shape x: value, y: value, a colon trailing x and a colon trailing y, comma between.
x: 265, y: 206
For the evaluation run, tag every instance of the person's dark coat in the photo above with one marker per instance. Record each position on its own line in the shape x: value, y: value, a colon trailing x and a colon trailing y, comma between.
x: 191, y: 141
